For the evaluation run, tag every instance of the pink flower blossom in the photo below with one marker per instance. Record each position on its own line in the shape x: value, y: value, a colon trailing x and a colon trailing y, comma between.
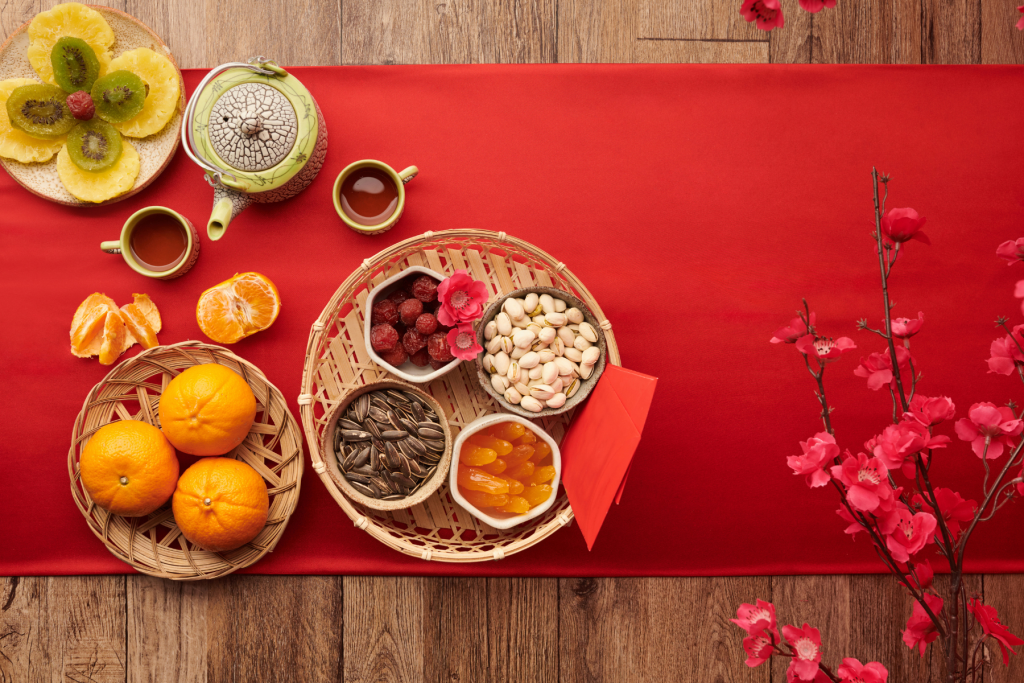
x: 815, y: 6
x: 852, y: 671
x: 924, y: 573
x: 462, y: 299
x: 789, y: 334
x: 759, y: 649
x: 921, y: 630
x: 757, y: 617
x: 988, y: 426
x: 462, y: 341
x: 824, y: 349
x: 905, y: 328
x: 1018, y: 293
x: 877, y: 368
x: 767, y: 13
x: 806, y: 646
x: 990, y: 625
x: 898, y: 442
x: 912, y: 533
x: 1020, y: 22
x: 930, y: 411
x: 954, y: 508
x: 1006, y: 351
x: 818, y: 451
x: 1011, y: 250
x: 865, y: 479
x: 902, y: 225
x: 886, y: 515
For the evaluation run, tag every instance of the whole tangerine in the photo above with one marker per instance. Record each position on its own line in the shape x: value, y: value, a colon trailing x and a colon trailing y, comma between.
x: 207, y: 410
x: 220, y: 504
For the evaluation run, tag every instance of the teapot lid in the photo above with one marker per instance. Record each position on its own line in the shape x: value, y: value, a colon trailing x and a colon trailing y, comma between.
x: 252, y: 127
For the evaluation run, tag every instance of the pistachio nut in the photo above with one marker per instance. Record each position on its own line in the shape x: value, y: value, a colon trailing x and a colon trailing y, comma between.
x: 564, y: 366
x: 539, y: 319
x: 542, y: 392
x: 506, y: 344
x: 522, y: 387
x: 586, y: 371
x: 566, y: 335
x: 513, y: 396
x: 513, y: 370
x: 488, y: 363
x: 500, y: 383
x: 523, y: 339
x: 547, y: 302
x: 573, y: 387
x: 588, y: 332
x: 554, y: 319
x: 513, y: 308
x: 535, y: 328
x: 493, y: 345
x: 591, y: 355
x: 521, y: 323
x: 518, y: 353
x: 556, y: 401
x: 503, y: 323
x: 501, y: 362
x: 529, y: 360
x: 531, y: 302
x: 557, y: 384
x: 537, y: 372
x: 546, y: 355
x: 574, y: 315
x: 531, y: 404
x: 581, y: 343
x: 550, y: 372
x: 574, y: 354
x: 524, y: 376
x: 490, y: 329
x: 560, y: 306
x: 557, y: 347
x: 547, y: 334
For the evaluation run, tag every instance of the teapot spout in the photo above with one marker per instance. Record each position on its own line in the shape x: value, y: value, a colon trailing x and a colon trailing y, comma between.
x: 226, y: 205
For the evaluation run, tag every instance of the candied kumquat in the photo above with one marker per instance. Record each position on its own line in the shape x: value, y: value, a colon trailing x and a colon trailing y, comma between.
x: 526, y: 439
x: 535, y: 495
x: 542, y: 475
x: 515, y: 487
x: 521, y: 471
x: 476, y: 479
x: 519, y: 455
x: 509, y: 431
x: 486, y: 500
x: 475, y: 456
x: 516, y: 505
x: 541, y: 451
x: 500, y: 446
x: 497, y: 467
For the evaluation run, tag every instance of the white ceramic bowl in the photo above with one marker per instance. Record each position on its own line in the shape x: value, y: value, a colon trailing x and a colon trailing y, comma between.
x: 453, y: 473
x: 408, y: 371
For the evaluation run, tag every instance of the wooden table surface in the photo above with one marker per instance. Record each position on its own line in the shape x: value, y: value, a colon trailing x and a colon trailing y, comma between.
x: 369, y: 629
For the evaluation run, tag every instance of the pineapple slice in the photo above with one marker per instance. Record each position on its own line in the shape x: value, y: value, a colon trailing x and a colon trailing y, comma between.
x: 99, y: 187
x: 70, y: 19
x: 161, y: 100
x: 17, y: 145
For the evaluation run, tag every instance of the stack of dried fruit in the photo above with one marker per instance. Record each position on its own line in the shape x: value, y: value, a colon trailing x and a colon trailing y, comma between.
x: 405, y: 326
x: 134, y: 94
x: 505, y: 470
x: 100, y: 328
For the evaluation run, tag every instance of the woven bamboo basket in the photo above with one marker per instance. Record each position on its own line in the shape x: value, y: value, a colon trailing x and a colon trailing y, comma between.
x: 337, y: 362
x: 154, y: 544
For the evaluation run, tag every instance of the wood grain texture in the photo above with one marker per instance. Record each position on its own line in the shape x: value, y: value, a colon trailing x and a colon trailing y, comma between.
x: 869, y: 33
x: 1001, y: 42
x: 522, y: 630
x: 384, y: 622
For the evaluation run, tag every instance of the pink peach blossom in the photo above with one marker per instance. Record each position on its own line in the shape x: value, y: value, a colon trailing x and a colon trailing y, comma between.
x: 815, y: 6
x: 824, y: 349
x: 852, y: 671
x: 806, y: 645
x: 877, y: 368
x: 1020, y: 22
x: 757, y: 617
x: 924, y: 573
x: 905, y: 328
x: 462, y: 299
x: 463, y: 343
x: 912, y: 533
x: 865, y: 479
x: 1011, y: 250
x: 818, y: 451
x: 898, y: 442
x: 987, y: 425
x: 991, y: 626
x: 1006, y: 354
x: 921, y: 630
x: 792, y: 332
x: 930, y: 411
x: 902, y: 225
x: 886, y: 515
x: 759, y: 648
x: 767, y: 13
x: 954, y: 508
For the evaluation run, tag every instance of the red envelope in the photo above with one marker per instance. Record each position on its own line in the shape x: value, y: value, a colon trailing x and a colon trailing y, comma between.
x: 598, y: 450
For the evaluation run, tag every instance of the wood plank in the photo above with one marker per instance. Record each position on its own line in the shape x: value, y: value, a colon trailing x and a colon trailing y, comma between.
x: 455, y: 634
x: 794, y: 43
x: 175, y: 23
x: 167, y: 630
x: 952, y: 32
x: 450, y: 32
x: 695, y: 20
x: 869, y: 33
x: 522, y: 630
x: 67, y: 628
x: 822, y: 602
x: 14, y: 14
x: 1005, y: 592
x: 384, y: 622
x: 293, y: 33
x: 1001, y: 42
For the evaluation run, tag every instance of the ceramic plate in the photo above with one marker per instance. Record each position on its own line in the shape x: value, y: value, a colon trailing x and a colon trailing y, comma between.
x: 155, y: 151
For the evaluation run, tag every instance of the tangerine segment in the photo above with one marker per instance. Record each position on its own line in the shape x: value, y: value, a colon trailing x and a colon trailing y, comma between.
x: 500, y: 446
x: 475, y: 456
x: 541, y: 475
x: 535, y: 495
x: 114, y: 340
x: 497, y: 467
x: 87, y: 323
x: 516, y: 505
x: 138, y: 325
x: 480, y: 499
x: 237, y: 308
x: 475, y: 479
x: 509, y: 431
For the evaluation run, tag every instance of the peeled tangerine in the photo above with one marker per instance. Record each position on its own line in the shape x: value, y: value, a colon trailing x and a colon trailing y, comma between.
x: 505, y: 469
x: 237, y: 308
x: 100, y: 328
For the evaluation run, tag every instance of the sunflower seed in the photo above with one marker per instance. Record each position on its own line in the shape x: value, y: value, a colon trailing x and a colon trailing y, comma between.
x: 398, y: 398
x: 337, y: 440
x: 377, y: 492
x: 347, y: 464
x: 432, y: 445
x: 365, y: 471
x: 354, y: 435
x: 430, y: 433
x: 416, y: 446
x: 394, y: 435
x: 371, y: 427
x: 417, y: 410
x: 369, y: 491
x: 374, y: 458
x: 348, y: 424
x: 361, y: 457
x: 403, y: 462
x: 397, y: 496
x: 357, y: 478
x: 414, y: 468
x: 362, y: 407
x: 378, y: 414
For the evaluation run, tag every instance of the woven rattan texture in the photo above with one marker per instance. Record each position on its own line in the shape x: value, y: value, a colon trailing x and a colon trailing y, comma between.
x: 337, y: 362
x: 154, y: 544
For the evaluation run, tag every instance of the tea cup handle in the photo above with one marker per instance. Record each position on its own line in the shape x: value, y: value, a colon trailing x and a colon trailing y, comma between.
x: 408, y: 174
x: 111, y: 247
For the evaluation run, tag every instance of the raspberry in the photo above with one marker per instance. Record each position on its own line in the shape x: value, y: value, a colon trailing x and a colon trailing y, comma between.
x: 426, y: 323
x: 437, y: 347
x: 385, y: 312
x: 383, y: 337
x: 425, y: 288
x: 409, y: 310
x: 420, y: 358
x: 395, y: 357
x: 413, y: 341
x: 398, y: 296
x: 81, y: 105
x: 438, y: 364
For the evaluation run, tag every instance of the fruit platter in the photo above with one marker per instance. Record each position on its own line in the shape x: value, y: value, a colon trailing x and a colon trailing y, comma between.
x: 91, y: 105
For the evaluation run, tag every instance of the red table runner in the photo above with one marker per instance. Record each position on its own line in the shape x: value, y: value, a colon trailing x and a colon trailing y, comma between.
x: 698, y: 203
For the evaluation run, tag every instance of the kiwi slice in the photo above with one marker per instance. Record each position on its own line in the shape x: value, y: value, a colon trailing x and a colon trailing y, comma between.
x: 40, y: 111
x: 119, y: 96
x: 94, y: 145
x: 75, y: 66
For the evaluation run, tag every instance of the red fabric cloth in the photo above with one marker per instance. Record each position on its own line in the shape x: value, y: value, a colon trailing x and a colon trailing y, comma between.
x: 698, y: 203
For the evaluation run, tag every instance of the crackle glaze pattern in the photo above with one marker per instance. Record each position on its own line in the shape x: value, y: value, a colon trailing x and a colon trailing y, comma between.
x: 252, y: 127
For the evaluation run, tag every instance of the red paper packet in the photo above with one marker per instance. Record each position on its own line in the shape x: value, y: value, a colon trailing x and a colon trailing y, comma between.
x: 599, y: 447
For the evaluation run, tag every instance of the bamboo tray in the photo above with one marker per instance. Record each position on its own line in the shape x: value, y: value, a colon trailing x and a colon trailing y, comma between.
x: 273, y: 448
x: 337, y: 362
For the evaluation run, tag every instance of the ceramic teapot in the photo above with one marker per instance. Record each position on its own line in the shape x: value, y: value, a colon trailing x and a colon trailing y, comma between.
x: 258, y: 134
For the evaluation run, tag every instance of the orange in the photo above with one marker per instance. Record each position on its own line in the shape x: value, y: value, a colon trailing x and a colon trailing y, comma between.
x: 207, y: 410
x: 87, y: 324
x: 237, y: 308
x: 100, y: 328
x: 220, y: 504
x: 129, y: 468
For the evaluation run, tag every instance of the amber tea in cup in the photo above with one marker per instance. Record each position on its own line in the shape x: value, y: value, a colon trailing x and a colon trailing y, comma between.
x: 157, y: 242
x: 369, y: 195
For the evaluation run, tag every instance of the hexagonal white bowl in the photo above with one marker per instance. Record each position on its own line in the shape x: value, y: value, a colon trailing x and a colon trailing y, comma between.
x: 408, y: 371
x: 474, y: 427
